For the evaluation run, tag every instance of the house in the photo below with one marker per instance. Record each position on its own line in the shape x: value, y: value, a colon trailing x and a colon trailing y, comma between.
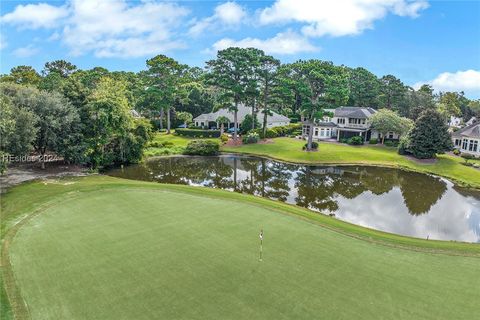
x: 346, y: 122
x: 209, y: 120
x: 467, y: 140
x: 471, y: 121
x: 455, y: 122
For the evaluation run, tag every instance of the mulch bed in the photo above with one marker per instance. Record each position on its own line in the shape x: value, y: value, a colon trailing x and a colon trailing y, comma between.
x: 422, y: 161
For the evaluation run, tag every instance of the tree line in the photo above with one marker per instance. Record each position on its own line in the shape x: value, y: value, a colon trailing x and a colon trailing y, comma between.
x: 85, y: 115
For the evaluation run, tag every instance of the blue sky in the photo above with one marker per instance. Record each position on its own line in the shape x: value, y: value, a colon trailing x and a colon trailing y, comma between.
x: 419, y: 41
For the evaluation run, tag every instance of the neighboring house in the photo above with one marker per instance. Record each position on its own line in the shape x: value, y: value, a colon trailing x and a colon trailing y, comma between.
x: 467, y: 140
x: 471, y: 121
x: 455, y: 122
x: 346, y: 122
x: 209, y: 120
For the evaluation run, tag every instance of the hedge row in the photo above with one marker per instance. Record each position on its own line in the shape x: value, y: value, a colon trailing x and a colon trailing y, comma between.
x: 195, y: 133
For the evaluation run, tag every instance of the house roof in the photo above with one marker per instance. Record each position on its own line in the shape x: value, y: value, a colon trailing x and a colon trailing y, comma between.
x: 325, y: 124
x: 471, y: 131
x: 242, y: 112
x: 354, y: 112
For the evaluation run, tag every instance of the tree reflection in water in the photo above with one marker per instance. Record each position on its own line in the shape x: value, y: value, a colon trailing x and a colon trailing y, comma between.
x: 314, y: 187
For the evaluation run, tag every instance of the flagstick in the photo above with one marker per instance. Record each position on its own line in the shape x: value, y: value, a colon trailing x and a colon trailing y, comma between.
x: 261, y: 243
x: 261, y: 248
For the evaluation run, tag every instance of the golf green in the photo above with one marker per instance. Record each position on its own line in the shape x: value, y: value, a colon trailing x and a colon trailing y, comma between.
x: 141, y: 253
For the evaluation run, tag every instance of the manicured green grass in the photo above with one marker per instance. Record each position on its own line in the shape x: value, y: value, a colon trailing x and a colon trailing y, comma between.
x: 106, y: 248
x: 289, y: 149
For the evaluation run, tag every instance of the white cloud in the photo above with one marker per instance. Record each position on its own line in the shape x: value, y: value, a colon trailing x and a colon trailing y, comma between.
x: 116, y: 28
x: 111, y: 29
x: 285, y: 43
x: 33, y: 16
x: 337, y: 18
x: 25, y: 52
x: 228, y: 14
x: 467, y: 81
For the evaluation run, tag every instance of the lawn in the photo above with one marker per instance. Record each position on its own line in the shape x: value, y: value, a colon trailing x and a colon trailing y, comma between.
x: 169, y: 144
x: 107, y: 248
x: 289, y: 149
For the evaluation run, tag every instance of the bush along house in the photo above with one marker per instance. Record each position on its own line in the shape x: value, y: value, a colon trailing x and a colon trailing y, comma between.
x: 347, y: 122
x: 467, y: 140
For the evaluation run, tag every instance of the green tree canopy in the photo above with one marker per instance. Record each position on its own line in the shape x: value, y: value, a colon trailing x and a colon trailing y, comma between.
x: 429, y: 136
x: 385, y: 121
x: 25, y: 75
x: 321, y: 84
x: 163, y: 80
x: 231, y: 72
x: 61, y: 67
x: 364, y: 88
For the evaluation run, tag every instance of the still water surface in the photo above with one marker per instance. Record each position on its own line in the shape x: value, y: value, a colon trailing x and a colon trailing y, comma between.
x: 391, y: 200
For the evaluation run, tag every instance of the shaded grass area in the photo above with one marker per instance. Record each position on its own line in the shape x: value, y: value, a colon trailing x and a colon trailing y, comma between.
x: 289, y: 149
x: 169, y: 144
x: 182, y: 252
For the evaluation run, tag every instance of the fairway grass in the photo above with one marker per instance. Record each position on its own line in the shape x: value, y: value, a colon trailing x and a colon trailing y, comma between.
x: 289, y: 149
x: 106, y: 248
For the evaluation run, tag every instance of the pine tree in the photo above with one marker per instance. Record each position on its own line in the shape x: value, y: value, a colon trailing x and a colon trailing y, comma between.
x: 429, y: 135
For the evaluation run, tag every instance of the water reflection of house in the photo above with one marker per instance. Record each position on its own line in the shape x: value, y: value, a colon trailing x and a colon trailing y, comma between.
x: 233, y: 162
x: 328, y: 170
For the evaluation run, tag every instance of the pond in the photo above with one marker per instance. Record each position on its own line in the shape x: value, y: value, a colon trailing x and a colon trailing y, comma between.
x: 385, y: 199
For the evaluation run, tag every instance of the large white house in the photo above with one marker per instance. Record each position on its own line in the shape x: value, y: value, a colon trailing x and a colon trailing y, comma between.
x: 467, y: 140
x: 209, y: 120
x: 346, y: 122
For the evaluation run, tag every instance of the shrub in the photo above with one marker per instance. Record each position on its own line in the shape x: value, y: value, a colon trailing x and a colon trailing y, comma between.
x: 159, y: 144
x: 391, y: 143
x: 202, y: 148
x: 314, y: 146
x: 271, y: 133
x: 252, y: 137
x: 456, y: 152
x: 356, y: 141
x: 344, y: 140
x: 195, y: 133
x: 404, y: 146
x: 246, y: 124
x: 467, y: 157
x: 373, y: 141
x: 224, y: 137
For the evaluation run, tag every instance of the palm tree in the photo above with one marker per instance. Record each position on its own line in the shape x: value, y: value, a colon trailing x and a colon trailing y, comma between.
x: 222, y: 120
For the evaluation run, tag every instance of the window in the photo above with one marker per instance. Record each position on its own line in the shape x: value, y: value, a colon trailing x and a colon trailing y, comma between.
x: 390, y: 135
x: 316, y: 132
x: 306, y: 130
x: 464, y: 144
x: 473, y: 145
x: 322, y: 132
x: 457, y: 142
x: 341, y: 120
